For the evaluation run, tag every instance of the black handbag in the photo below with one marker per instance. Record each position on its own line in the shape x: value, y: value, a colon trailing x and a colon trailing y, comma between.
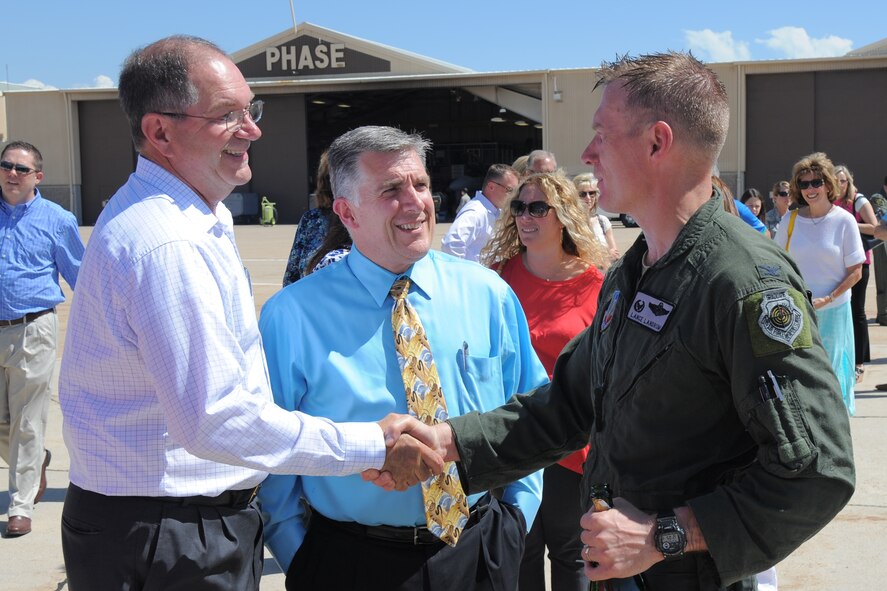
x: 870, y: 242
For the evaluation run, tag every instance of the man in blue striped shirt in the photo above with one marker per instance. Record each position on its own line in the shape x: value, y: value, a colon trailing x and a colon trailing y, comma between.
x: 38, y: 241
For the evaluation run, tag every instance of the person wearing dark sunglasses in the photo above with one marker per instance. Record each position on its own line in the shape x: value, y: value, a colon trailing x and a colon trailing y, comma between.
x: 589, y: 194
x: 40, y: 241
x: 545, y: 250
x: 856, y: 204
x: 825, y: 243
x: 781, y: 202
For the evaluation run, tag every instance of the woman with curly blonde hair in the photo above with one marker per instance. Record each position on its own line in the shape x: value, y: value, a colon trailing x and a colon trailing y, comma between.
x: 545, y: 250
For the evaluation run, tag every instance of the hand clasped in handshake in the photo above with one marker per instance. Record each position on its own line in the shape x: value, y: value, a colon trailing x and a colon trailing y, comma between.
x: 416, y: 451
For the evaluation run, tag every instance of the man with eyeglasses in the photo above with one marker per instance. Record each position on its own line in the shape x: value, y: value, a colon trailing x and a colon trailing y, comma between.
x: 39, y: 241
x: 473, y: 226
x: 168, y: 414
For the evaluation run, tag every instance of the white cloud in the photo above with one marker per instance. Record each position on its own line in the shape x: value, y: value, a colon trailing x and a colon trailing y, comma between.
x: 38, y: 84
x: 794, y: 42
x: 717, y: 47
x: 102, y: 81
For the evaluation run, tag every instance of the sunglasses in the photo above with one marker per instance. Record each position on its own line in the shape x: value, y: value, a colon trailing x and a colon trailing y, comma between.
x: 19, y: 168
x: 536, y: 209
x: 815, y: 183
x: 584, y: 194
x: 782, y: 193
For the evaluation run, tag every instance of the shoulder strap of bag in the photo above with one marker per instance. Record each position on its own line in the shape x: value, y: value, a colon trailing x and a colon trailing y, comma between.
x: 791, y: 227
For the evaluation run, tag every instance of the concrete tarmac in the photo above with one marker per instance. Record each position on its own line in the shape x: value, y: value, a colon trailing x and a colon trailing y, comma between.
x: 846, y: 555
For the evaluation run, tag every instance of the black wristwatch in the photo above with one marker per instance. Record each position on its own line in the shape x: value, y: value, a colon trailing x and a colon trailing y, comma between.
x: 670, y: 537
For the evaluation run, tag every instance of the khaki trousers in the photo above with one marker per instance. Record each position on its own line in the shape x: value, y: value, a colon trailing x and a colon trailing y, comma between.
x: 27, y: 360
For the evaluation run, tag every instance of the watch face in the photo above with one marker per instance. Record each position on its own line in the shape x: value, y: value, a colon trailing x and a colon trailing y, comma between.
x: 670, y: 541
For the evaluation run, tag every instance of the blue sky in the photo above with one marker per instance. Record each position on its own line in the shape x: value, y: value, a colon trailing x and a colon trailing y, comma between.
x: 65, y: 44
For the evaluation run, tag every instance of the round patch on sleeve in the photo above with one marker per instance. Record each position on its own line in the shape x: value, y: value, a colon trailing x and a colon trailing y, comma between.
x: 777, y: 321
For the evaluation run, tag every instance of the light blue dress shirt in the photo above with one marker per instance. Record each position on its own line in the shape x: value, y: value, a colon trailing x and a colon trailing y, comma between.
x: 38, y: 240
x: 330, y: 349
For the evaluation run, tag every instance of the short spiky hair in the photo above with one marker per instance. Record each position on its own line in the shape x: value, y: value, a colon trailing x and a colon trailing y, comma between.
x: 678, y: 89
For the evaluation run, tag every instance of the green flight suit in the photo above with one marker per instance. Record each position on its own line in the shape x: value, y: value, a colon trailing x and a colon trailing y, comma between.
x: 665, y: 384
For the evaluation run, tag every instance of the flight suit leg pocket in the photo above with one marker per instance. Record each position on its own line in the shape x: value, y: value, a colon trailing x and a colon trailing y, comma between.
x: 785, y: 447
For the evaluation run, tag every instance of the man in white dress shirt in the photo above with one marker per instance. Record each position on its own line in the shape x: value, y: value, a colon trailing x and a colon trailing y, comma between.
x: 475, y: 222
x: 168, y: 414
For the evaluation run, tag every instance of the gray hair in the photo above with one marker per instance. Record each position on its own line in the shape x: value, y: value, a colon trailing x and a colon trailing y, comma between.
x: 344, y: 154
x: 539, y: 155
x: 157, y: 79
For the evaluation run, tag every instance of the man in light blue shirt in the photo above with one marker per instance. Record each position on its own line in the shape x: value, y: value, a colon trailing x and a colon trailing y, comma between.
x: 38, y: 241
x: 331, y: 352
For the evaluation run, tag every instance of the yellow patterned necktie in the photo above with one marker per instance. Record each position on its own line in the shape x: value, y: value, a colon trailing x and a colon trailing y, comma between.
x: 446, y: 511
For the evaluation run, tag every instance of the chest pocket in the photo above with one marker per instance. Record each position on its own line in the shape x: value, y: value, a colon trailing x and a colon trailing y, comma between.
x: 480, y: 375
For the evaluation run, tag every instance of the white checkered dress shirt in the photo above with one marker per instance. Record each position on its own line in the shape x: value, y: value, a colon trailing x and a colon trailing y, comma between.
x: 163, y: 383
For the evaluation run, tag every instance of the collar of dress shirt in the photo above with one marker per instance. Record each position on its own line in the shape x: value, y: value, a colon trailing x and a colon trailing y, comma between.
x: 377, y: 281
x: 26, y: 205
x: 191, y: 204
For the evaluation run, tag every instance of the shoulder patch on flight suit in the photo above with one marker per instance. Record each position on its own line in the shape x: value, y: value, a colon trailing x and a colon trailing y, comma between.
x: 610, y: 311
x: 777, y: 322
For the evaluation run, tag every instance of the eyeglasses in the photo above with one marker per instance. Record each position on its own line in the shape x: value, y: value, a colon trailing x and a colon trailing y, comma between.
x: 782, y: 193
x: 815, y: 183
x: 842, y: 181
x: 584, y: 194
x: 536, y: 209
x: 234, y: 119
x: 19, y: 168
x: 509, y: 190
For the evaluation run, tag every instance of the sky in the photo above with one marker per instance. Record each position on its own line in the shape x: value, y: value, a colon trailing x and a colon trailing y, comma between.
x: 65, y: 44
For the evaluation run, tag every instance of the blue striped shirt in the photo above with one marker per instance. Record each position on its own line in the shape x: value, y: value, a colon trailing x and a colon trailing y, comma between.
x: 38, y: 241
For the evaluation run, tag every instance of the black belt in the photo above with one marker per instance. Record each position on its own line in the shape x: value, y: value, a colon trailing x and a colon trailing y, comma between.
x: 235, y: 499
x: 26, y: 318
x: 406, y: 535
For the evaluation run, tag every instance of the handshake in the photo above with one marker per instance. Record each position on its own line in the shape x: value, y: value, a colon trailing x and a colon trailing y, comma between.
x: 416, y: 451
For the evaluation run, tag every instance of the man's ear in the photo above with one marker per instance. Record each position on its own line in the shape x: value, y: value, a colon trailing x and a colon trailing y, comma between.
x: 345, y: 210
x: 38, y: 176
x: 157, y: 129
x: 661, y: 138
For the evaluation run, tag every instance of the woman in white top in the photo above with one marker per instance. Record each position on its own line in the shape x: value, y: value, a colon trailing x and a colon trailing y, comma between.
x: 824, y: 242
x: 586, y: 185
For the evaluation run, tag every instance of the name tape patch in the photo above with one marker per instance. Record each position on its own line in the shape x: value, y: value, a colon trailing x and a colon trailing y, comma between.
x: 650, y: 311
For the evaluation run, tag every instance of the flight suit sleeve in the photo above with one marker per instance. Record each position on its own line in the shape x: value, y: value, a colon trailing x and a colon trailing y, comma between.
x: 803, y: 473
x: 532, y: 430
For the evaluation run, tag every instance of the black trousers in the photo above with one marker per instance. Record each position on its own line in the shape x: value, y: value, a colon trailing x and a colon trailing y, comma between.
x: 142, y: 543
x: 556, y: 526
x: 860, y: 322
x: 487, y: 557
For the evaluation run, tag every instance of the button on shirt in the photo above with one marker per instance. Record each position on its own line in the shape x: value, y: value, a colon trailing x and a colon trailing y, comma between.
x: 472, y: 229
x: 38, y: 240
x: 163, y: 385
x: 330, y: 348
